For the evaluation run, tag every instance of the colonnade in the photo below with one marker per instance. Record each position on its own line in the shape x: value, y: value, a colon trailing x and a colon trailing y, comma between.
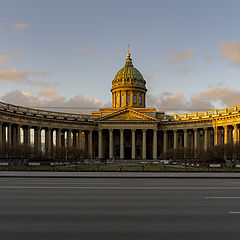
x: 226, y: 134
x: 117, y: 143
x: 13, y: 135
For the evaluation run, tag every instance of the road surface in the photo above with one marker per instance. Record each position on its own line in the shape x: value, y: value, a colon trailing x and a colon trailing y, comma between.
x: 119, y: 208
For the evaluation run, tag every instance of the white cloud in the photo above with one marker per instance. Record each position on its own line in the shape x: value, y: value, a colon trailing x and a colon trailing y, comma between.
x: 54, y: 102
x: 231, y: 51
x: 14, y: 76
x: 181, y: 57
x: 48, y: 99
x: 20, y: 26
x: 203, y: 101
x: 50, y: 93
x: 8, y: 58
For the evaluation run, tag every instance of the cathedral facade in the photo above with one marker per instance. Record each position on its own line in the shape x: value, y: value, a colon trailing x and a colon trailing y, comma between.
x: 128, y: 130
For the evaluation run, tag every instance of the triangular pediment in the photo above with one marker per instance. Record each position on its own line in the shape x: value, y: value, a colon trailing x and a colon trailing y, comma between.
x: 127, y: 115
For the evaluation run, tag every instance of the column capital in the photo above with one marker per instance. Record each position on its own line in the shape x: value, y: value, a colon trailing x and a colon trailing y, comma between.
x: 144, y: 130
x: 133, y: 130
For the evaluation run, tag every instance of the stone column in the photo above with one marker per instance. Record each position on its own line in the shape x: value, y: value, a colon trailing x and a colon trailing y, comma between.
x: 155, y: 144
x: 235, y: 137
x: 195, y: 139
x: 48, y: 140
x: 121, y: 143
x: 3, y: 135
x: 133, y: 143
x: 27, y: 136
x: 51, y: 138
x: 58, y: 138
x: 185, y: 140
x: 144, y: 131
x: 175, y: 139
x: 69, y: 142
x: 165, y: 141
x: 226, y: 137
x: 14, y: 136
x: 100, y: 144
x: 110, y: 143
x: 205, y: 139
x: 9, y: 135
x: 90, y: 143
x: 37, y: 139
x: 79, y: 139
x: 216, y: 136
x: 18, y: 133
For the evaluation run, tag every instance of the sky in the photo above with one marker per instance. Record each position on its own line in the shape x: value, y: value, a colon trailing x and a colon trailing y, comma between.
x: 62, y: 55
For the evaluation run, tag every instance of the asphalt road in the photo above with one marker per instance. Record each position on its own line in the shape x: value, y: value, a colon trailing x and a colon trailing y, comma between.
x: 92, y: 208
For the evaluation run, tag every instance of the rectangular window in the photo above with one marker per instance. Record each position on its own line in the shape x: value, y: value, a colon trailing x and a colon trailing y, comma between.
x: 134, y: 99
x: 128, y: 98
x: 140, y: 99
x: 122, y: 99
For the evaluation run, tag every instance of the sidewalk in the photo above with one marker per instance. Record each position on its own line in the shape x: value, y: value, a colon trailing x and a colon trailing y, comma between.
x: 117, y: 174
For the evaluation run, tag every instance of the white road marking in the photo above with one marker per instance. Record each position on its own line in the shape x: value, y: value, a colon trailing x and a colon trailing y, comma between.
x: 66, y: 183
x: 120, y: 188
x: 222, y: 197
x: 234, y: 212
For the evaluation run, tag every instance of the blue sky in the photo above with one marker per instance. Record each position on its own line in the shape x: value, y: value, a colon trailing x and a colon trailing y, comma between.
x: 65, y: 53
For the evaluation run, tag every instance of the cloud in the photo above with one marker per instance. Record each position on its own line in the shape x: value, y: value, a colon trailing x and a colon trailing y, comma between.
x: 8, y: 58
x: 20, y: 26
x: 210, y: 58
x: 213, y: 98
x: 48, y: 99
x: 181, y: 57
x: 54, y: 102
x: 183, y: 70
x: 82, y: 49
x: 231, y: 51
x: 50, y: 93
x: 14, y: 76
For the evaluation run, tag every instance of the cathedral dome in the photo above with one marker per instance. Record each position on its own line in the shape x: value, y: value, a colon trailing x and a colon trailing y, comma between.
x: 128, y: 87
x: 129, y: 74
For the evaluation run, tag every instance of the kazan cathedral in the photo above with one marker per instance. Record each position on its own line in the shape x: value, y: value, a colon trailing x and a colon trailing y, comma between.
x: 128, y: 130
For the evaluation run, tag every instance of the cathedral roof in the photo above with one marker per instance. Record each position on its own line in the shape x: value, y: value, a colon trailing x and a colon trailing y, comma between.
x: 128, y: 73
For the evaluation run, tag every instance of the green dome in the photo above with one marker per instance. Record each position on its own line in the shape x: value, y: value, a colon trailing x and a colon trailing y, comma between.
x: 128, y: 72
